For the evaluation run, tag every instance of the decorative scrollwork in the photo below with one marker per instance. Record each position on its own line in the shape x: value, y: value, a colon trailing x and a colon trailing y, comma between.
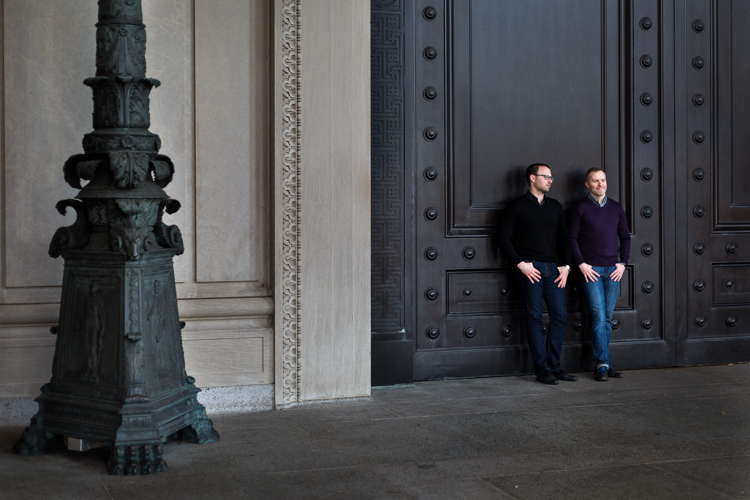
x: 163, y: 170
x: 168, y: 236
x: 73, y: 237
x: 290, y: 178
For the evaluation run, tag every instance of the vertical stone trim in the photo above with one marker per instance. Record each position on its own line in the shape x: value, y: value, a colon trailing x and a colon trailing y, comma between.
x: 290, y: 201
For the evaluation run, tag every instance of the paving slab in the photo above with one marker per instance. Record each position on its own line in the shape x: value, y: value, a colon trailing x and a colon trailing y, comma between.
x: 347, y: 482
x: 523, y: 463
x: 729, y: 475
x: 364, y: 409
x: 655, y: 421
x: 440, y: 437
x: 623, y: 483
x: 252, y: 451
x: 466, y: 489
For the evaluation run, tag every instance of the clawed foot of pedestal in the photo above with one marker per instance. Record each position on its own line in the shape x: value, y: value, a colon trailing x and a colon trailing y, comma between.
x: 199, y: 432
x: 37, y: 441
x: 136, y: 459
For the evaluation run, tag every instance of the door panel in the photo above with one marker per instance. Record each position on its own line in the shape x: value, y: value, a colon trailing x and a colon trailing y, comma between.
x: 525, y: 86
x: 714, y: 139
x: 654, y: 91
x: 500, y: 85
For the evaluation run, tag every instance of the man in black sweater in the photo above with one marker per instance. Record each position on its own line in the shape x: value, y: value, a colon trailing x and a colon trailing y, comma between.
x: 534, y: 238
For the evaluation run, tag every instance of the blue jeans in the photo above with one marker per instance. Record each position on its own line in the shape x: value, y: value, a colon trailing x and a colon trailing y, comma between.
x: 545, y: 357
x: 602, y: 295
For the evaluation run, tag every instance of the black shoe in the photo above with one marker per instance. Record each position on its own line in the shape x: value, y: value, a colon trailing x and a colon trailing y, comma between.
x: 563, y: 375
x: 611, y: 373
x: 546, y: 377
x: 601, y: 374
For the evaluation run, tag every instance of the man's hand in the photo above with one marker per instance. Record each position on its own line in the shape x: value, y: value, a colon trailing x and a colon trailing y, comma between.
x: 531, y: 272
x: 617, y: 273
x: 589, y: 273
x: 563, y: 278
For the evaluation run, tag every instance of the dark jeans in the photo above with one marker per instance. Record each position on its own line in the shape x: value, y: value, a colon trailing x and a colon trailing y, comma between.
x: 545, y: 357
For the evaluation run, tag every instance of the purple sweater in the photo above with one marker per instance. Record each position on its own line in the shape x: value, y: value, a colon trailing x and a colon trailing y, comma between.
x: 597, y: 232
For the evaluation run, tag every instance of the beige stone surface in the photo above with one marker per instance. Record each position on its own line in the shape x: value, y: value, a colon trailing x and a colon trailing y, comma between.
x: 233, y: 162
x: 335, y: 199
x: 47, y: 52
x: 212, y: 113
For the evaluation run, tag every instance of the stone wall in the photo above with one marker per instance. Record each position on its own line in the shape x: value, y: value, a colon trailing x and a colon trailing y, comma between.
x: 264, y: 109
x: 214, y: 117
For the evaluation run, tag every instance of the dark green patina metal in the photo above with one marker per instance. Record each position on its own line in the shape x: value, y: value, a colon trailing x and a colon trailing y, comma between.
x: 118, y: 375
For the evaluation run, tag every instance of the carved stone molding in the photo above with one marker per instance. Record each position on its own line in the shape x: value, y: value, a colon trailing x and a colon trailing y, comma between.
x: 290, y: 193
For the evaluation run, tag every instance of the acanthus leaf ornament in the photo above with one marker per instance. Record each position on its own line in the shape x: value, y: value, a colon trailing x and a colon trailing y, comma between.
x: 128, y: 168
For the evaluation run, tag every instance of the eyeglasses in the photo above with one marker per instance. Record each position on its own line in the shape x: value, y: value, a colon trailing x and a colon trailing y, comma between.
x: 546, y: 177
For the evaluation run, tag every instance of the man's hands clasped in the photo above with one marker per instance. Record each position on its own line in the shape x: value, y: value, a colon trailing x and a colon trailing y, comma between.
x: 590, y: 275
x: 533, y: 274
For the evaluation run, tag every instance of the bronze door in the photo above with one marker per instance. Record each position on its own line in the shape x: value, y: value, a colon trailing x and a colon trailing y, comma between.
x: 467, y: 93
x: 713, y: 181
x: 499, y: 85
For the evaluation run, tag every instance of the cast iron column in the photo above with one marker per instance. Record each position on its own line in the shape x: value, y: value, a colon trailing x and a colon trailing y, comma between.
x: 118, y: 375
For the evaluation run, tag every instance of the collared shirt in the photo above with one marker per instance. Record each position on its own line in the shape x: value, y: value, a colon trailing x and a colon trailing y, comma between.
x: 604, y: 201
x: 535, y: 199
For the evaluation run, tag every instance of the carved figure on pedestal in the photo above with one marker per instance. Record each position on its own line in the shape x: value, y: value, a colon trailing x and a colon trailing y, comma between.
x: 93, y: 332
x: 158, y: 320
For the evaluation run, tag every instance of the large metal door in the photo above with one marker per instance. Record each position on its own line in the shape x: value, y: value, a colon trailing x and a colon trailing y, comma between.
x: 467, y: 93
x: 713, y: 180
x: 500, y: 84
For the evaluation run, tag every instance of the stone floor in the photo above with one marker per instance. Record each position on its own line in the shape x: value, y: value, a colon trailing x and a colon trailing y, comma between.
x: 669, y: 433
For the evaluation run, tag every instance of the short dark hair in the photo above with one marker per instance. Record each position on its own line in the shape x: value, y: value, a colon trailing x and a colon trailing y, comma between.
x: 532, y: 170
x: 592, y: 170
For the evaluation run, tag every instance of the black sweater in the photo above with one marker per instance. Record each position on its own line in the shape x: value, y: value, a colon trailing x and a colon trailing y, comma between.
x: 530, y: 231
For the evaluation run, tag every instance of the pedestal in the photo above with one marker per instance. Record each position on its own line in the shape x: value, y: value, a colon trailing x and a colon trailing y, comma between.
x: 118, y: 375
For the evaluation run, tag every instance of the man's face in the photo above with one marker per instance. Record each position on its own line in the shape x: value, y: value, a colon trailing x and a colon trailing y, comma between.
x: 539, y: 182
x: 597, y: 184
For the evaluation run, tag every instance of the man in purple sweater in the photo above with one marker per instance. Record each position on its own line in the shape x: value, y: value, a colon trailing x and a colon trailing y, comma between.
x: 599, y: 235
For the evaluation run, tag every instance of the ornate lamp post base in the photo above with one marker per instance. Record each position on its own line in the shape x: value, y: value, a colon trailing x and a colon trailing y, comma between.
x: 118, y: 375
